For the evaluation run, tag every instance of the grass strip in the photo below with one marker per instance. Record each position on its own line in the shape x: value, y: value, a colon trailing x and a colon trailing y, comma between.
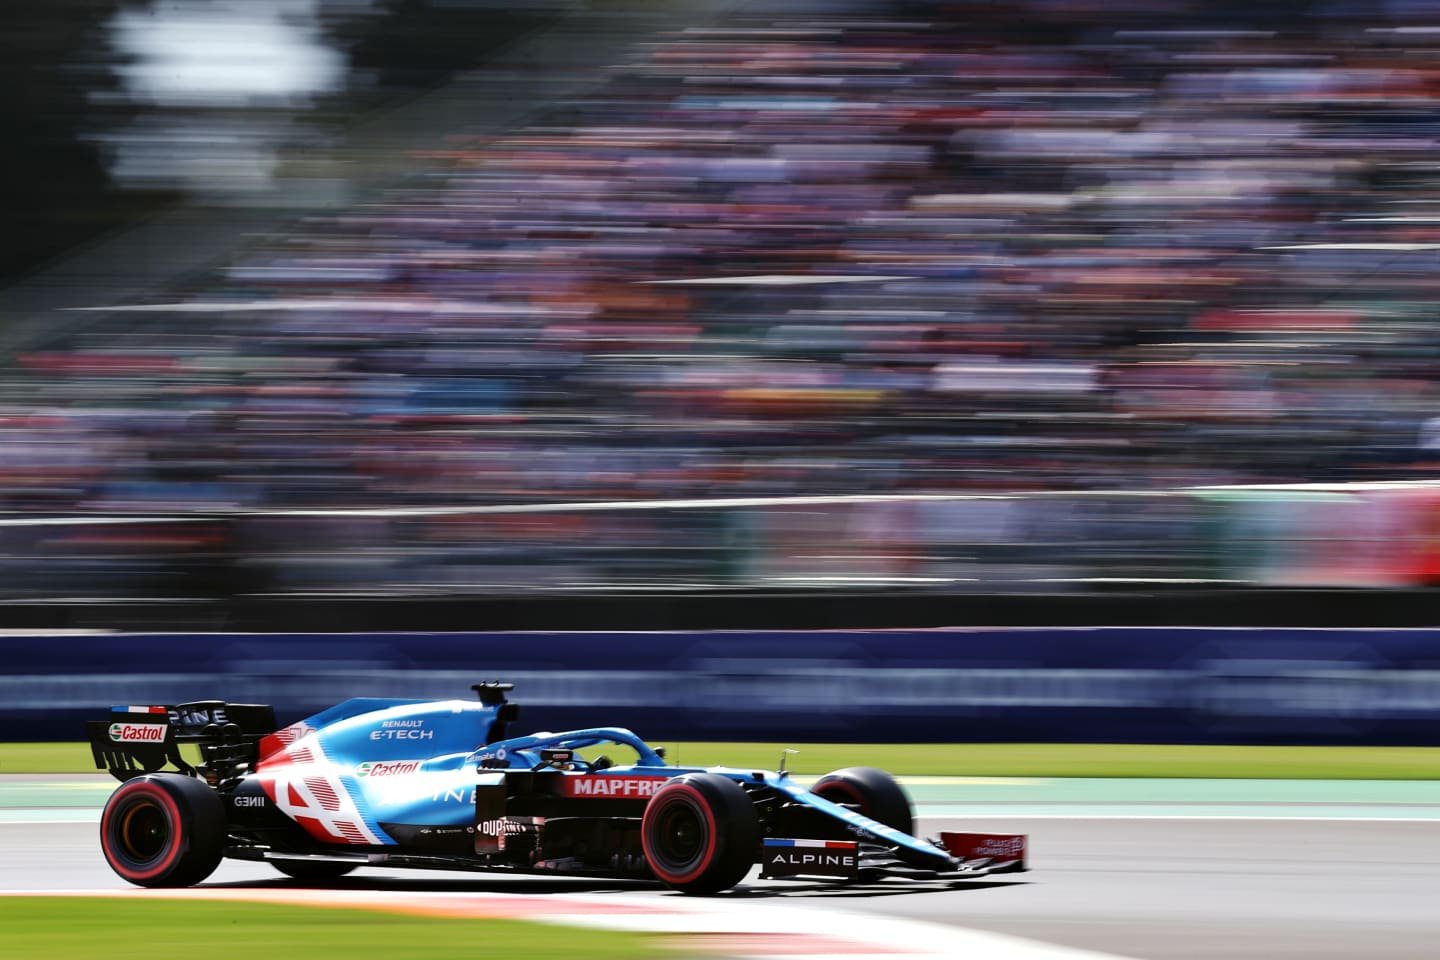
x: 133, y: 928
x: 969, y: 759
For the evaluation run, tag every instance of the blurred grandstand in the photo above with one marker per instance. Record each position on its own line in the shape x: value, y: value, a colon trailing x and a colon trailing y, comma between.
x: 1016, y: 297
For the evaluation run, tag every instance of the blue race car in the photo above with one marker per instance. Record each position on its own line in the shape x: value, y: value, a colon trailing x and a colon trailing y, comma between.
x: 440, y: 784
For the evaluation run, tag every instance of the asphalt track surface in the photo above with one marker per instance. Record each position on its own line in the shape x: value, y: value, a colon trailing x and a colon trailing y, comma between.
x: 1330, y: 877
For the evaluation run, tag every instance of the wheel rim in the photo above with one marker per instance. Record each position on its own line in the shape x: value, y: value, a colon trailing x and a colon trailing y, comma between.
x: 682, y: 835
x: 144, y: 831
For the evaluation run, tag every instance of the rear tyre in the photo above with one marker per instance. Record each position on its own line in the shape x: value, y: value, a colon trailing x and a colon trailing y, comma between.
x: 314, y: 870
x: 871, y: 793
x: 700, y: 833
x: 163, y: 830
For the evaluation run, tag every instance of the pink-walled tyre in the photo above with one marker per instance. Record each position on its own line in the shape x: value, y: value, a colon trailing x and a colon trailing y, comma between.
x: 163, y: 830
x: 870, y: 792
x: 701, y: 833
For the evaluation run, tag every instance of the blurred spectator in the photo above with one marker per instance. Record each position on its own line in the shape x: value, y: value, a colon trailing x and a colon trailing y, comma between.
x: 944, y: 247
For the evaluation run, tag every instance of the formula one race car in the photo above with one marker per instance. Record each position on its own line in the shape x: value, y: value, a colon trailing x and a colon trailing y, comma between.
x: 439, y: 784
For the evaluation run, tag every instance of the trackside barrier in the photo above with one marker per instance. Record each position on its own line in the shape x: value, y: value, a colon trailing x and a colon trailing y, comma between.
x: 1376, y: 535
x: 1158, y: 685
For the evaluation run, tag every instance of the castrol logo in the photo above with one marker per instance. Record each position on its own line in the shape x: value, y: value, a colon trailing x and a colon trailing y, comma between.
x: 138, y: 732
x: 387, y: 768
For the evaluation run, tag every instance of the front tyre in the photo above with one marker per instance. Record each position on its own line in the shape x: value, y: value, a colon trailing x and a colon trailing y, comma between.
x: 700, y: 833
x: 163, y: 830
x: 871, y: 793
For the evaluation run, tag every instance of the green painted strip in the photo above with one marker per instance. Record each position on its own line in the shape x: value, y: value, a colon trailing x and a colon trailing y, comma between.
x: 55, y: 794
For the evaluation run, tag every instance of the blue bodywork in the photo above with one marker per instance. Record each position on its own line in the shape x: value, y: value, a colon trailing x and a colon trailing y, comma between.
x: 419, y: 762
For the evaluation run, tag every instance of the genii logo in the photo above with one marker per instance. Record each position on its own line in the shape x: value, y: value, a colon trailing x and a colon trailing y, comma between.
x: 387, y: 768
x: 138, y: 732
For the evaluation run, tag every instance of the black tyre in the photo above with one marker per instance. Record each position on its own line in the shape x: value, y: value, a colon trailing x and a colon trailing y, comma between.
x: 163, y: 830
x: 870, y: 792
x: 314, y: 870
x: 701, y: 833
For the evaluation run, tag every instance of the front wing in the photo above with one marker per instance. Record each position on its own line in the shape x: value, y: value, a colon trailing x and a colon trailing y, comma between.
x: 880, y: 850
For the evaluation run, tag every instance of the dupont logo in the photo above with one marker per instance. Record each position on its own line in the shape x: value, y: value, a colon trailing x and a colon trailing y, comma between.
x: 138, y: 732
x: 612, y: 786
x: 387, y: 768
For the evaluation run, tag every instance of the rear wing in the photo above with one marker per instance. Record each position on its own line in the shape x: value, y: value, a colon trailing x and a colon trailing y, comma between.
x: 136, y: 740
